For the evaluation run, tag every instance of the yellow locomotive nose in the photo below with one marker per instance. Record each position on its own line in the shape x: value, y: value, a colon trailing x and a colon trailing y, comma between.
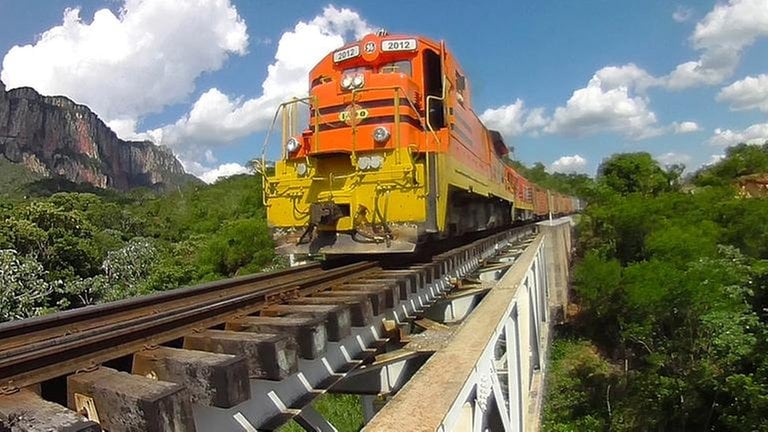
x: 374, y: 205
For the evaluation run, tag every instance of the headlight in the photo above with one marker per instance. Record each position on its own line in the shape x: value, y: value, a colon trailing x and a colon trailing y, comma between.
x: 292, y: 145
x: 301, y: 169
x: 358, y: 81
x: 381, y: 134
x: 346, y: 82
x: 370, y: 163
x: 376, y: 162
x: 363, y: 162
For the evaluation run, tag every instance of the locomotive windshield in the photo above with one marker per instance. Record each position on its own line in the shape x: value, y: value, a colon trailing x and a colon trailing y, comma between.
x: 400, y: 66
x: 357, y: 69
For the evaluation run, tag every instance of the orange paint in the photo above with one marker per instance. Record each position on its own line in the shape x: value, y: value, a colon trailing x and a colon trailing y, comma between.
x: 392, y: 67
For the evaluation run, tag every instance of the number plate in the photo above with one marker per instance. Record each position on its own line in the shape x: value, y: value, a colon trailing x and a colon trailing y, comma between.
x: 398, y: 45
x: 346, y: 53
x: 86, y: 404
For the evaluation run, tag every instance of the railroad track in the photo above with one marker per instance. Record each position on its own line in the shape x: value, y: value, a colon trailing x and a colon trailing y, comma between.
x: 279, y: 317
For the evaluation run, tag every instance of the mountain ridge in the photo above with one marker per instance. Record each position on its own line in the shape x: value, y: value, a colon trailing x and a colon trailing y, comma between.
x: 53, y: 136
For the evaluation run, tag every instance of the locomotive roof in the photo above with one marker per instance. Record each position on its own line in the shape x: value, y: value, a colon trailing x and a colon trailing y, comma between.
x: 327, y: 61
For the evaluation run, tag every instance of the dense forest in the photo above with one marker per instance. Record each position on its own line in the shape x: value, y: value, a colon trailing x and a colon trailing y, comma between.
x: 671, y: 323
x: 60, y: 250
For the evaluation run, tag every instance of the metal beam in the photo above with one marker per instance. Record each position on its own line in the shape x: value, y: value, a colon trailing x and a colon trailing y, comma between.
x: 489, y: 375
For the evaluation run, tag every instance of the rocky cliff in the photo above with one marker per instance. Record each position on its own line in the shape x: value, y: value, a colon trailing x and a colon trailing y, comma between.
x: 53, y: 136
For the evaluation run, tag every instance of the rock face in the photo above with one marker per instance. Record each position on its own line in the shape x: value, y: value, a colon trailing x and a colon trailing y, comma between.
x: 53, y: 136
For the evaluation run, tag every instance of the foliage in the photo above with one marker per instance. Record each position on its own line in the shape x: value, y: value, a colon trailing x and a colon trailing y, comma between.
x: 580, y: 380
x: 14, y: 176
x: 238, y: 245
x: 24, y: 290
x: 672, y: 293
x: 87, y: 247
x: 628, y: 173
x: 344, y: 411
x: 739, y: 160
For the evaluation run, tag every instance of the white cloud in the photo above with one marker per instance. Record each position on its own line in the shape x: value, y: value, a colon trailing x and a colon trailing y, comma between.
x: 568, y: 164
x: 628, y: 75
x: 685, y: 127
x: 755, y: 134
x: 721, y: 36
x: 672, y: 158
x: 216, y: 118
x: 222, y: 171
x: 682, y: 14
x: 601, y: 107
x: 514, y: 119
x: 614, y: 100
x: 713, y: 159
x: 748, y: 93
x: 136, y: 62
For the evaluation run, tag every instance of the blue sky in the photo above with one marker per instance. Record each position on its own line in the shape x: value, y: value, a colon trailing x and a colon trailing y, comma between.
x: 567, y: 82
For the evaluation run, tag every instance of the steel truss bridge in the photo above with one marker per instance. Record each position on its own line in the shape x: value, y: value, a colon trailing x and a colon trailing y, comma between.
x: 456, y: 342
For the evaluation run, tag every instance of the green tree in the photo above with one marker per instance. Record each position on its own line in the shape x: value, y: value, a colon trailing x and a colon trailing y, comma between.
x: 25, y: 292
x: 674, y: 288
x: 628, y: 173
x: 740, y: 160
x: 128, y: 267
x: 241, y: 246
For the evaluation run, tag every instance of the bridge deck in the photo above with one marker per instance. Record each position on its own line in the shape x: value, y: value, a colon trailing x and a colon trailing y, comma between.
x: 460, y: 383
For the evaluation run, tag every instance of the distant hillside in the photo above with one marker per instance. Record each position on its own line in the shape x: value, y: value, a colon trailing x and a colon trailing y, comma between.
x: 14, y: 176
x: 53, y: 137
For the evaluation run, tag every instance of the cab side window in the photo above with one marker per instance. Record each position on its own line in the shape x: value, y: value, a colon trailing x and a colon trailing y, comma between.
x: 461, y: 87
x: 433, y: 89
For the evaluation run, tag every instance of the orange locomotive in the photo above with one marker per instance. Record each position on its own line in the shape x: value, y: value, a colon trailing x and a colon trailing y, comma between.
x: 393, y: 155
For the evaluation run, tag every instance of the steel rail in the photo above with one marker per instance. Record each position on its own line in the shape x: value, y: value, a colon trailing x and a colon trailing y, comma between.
x: 29, y: 332
x: 59, y: 356
x: 58, y: 319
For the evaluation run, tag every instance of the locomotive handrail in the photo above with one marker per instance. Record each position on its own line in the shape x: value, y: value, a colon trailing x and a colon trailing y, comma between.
x: 424, y: 123
x: 315, y: 137
x: 287, y: 117
x: 429, y: 124
x: 397, y: 90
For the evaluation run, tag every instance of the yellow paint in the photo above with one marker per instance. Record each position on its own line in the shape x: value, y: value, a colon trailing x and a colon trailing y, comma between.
x: 396, y: 190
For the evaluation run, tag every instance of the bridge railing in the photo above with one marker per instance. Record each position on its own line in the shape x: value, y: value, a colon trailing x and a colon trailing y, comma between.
x: 490, y: 375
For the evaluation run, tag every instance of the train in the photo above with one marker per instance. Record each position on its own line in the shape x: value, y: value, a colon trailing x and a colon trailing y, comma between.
x: 386, y: 153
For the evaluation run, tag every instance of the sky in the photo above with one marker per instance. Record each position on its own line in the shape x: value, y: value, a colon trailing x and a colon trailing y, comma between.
x: 568, y: 83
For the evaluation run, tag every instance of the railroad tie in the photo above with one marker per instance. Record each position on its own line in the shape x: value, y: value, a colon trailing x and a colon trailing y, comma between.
x: 387, y: 294
x: 361, y: 311
x: 338, y: 318
x: 269, y: 356
x: 122, y: 402
x: 217, y: 380
x: 25, y: 411
x: 405, y: 289
x: 308, y: 331
x: 416, y: 278
x: 377, y: 299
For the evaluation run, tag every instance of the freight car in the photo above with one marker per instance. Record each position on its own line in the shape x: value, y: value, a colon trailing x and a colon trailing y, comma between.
x: 393, y: 155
